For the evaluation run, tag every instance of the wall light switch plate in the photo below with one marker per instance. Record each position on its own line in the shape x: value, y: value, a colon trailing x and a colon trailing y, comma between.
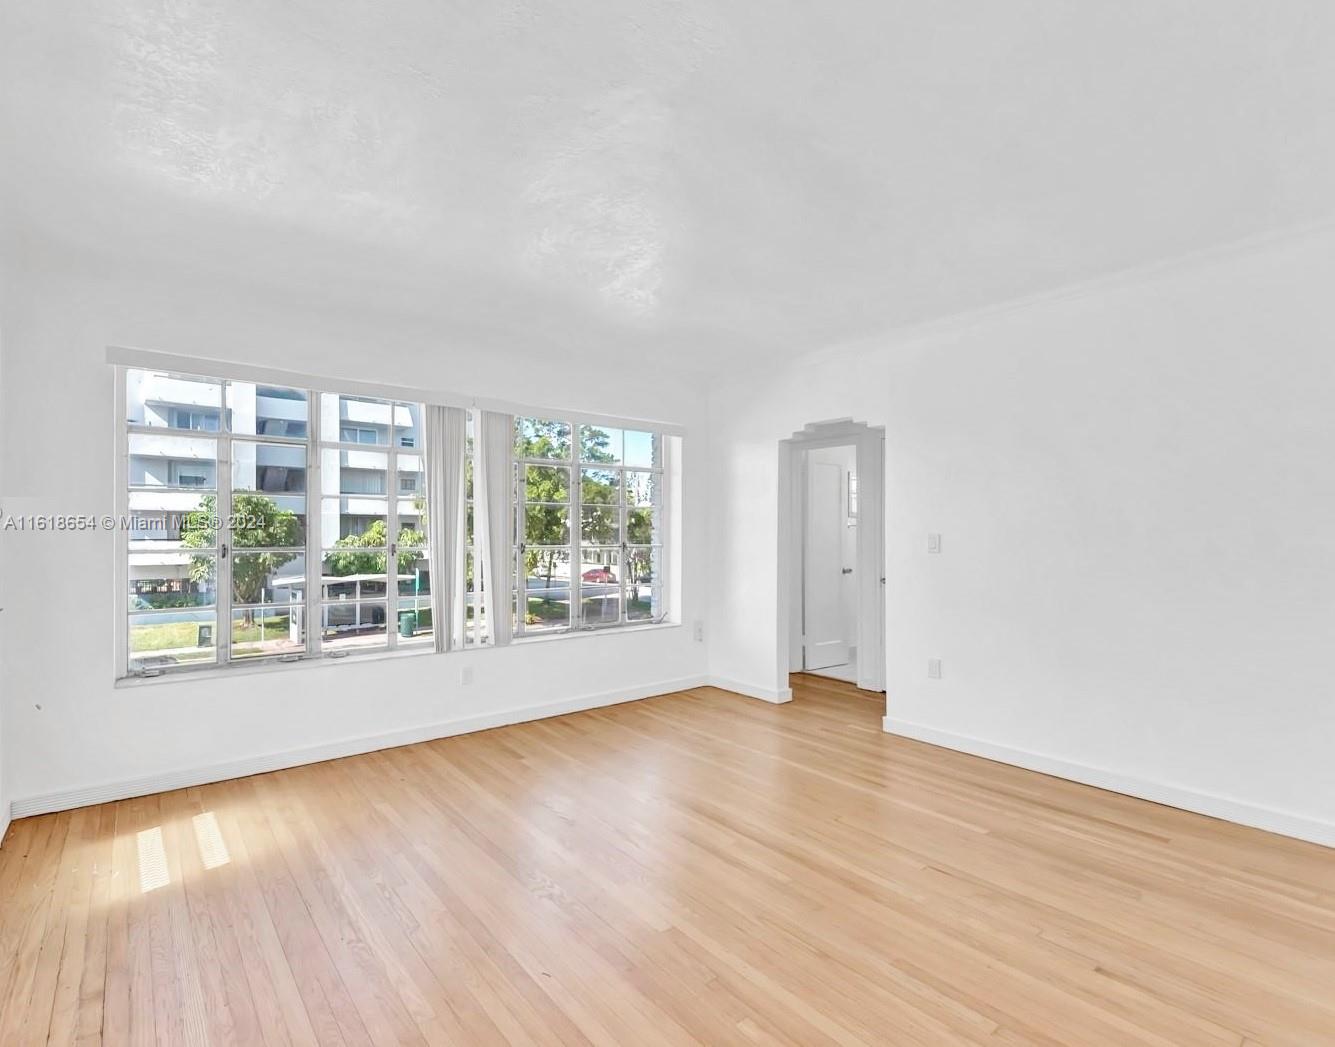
x: 466, y: 675
x: 933, y: 543
x: 699, y: 632
x: 933, y: 668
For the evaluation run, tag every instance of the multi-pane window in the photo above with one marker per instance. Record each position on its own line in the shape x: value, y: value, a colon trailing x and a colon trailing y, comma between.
x: 233, y: 547
x: 589, y: 526
x: 375, y: 570
x: 273, y: 523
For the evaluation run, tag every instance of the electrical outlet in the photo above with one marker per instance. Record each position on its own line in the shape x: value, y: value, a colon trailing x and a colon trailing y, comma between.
x: 933, y: 668
x: 699, y: 632
x: 933, y: 543
x: 466, y: 675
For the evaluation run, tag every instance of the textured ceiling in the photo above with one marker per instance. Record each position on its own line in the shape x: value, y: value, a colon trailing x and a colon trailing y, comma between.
x: 716, y: 184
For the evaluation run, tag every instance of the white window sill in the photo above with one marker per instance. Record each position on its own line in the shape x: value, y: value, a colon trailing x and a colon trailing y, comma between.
x: 571, y: 634
x: 265, y: 667
x: 227, y: 672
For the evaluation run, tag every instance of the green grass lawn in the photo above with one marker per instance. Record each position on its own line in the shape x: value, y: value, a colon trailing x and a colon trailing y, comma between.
x: 173, y: 635
x: 540, y: 610
x: 543, y: 612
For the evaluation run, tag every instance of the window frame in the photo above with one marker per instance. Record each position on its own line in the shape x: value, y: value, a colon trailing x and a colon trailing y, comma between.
x: 224, y: 549
x: 574, y: 505
x: 392, y: 496
x: 125, y: 361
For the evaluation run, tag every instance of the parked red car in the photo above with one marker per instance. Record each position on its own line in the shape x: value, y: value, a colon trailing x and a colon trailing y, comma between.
x: 599, y: 574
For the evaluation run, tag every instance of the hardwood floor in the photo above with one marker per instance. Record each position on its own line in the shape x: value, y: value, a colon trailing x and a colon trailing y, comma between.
x: 695, y: 868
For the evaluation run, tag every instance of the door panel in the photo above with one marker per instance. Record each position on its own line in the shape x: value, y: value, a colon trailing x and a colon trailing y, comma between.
x: 825, y: 631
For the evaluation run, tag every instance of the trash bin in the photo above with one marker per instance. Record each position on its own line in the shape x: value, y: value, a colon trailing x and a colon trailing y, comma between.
x: 407, y: 624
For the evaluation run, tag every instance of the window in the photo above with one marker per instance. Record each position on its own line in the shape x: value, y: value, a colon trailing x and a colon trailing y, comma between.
x: 267, y: 523
x: 350, y: 434
x: 589, y: 526
x: 375, y: 573
x: 185, y: 418
x: 225, y: 561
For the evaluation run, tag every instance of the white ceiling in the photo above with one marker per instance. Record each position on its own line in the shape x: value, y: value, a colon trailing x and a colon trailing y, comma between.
x: 713, y: 184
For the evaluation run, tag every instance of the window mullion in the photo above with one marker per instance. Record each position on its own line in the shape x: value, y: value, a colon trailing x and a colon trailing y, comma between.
x: 624, y: 514
x: 223, y: 485
x: 518, y: 493
x: 392, y: 537
x: 314, y: 528
x: 122, y: 468
x: 576, y: 525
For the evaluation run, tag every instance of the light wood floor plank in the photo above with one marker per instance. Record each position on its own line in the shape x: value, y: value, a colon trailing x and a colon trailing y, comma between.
x: 699, y: 868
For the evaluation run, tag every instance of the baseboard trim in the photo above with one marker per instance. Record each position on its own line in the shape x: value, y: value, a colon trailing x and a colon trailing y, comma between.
x: 4, y: 826
x: 221, y: 772
x: 1255, y: 816
x: 765, y: 694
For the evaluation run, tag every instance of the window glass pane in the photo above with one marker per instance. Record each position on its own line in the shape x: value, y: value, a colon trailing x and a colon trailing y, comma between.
x: 536, y: 438
x: 267, y: 410
x: 350, y: 626
x: 411, y: 479
x: 643, y: 449
x: 546, y: 483
x: 599, y: 444
x: 167, y: 638
x: 169, y: 401
x: 259, y: 632
x: 172, y: 461
x: 547, y: 524
x: 415, y: 623
x: 407, y: 425
x: 355, y: 420
x: 353, y: 574
x: 355, y: 510
x: 274, y: 469
x: 600, y: 586
x: 643, y: 565
x: 171, y: 520
x: 268, y: 495
x: 600, y: 525
x: 269, y: 577
x: 161, y: 580
x: 414, y: 572
x: 353, y: 472
x: 642, y: 488
x: 474, y: 631
x: 341, y: 527
x: 468, y: 455
x: 643, y: 603
x: 641, y: 526
x: 411, y: 525
x: 599, y: 486
x: 547, y: 585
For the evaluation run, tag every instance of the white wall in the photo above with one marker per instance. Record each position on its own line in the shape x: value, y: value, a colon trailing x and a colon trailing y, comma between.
x: 1135, y: 493
x: 67, y: 727
x: 4, y: 596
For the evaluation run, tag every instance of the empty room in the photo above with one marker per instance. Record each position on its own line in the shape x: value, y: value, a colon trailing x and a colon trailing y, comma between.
x: 667, y: 523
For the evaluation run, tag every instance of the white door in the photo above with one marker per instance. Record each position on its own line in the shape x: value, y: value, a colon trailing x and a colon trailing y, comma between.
x: 824, y: 630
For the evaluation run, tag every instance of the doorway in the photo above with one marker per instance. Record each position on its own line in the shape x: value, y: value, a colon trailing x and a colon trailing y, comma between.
x: 829, y: 604
x: 832, y: 553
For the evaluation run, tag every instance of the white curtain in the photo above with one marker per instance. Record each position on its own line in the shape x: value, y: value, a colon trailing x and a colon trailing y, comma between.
x: 493, y: 449
x: 443, y: 446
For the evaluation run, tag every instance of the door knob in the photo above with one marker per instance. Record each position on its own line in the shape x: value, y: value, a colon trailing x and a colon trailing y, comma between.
x: 847, y: 570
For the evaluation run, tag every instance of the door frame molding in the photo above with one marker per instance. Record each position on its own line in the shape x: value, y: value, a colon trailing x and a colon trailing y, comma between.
x: 870, y: 445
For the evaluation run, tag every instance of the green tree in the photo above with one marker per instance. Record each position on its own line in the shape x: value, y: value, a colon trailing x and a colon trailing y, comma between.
x: 547, y: 491
x: 266, y: 526
x: 365, y: 553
